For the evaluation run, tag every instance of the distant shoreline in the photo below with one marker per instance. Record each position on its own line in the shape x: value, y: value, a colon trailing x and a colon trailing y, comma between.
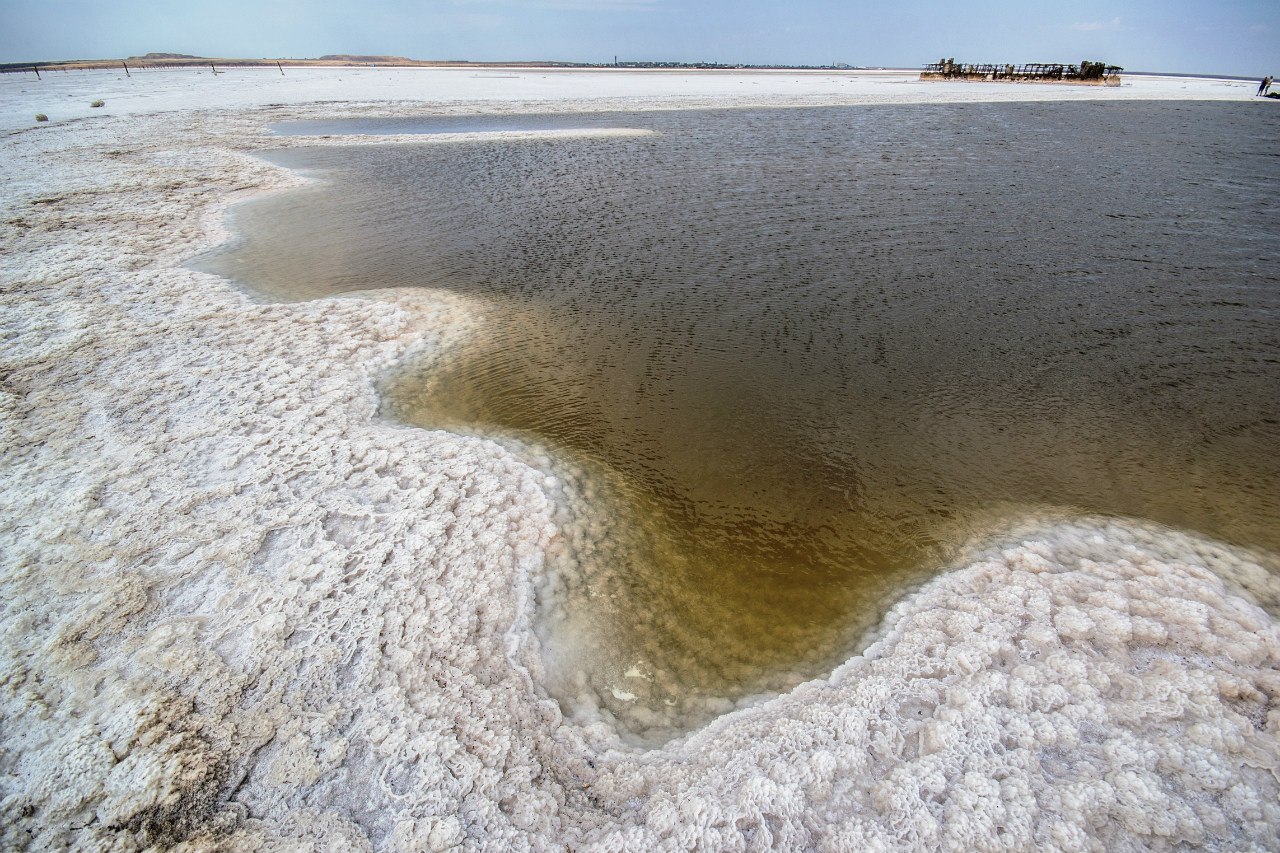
x: 342, y: 61
x: 141, y: 63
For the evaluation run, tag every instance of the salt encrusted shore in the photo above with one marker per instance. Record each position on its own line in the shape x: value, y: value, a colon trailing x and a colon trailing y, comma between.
x: 240, y: 612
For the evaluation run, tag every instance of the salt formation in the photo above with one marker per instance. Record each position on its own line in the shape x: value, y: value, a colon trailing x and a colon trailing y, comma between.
x: 239, y: 612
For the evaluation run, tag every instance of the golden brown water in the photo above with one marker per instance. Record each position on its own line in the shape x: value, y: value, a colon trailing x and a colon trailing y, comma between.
x: 787, y: 360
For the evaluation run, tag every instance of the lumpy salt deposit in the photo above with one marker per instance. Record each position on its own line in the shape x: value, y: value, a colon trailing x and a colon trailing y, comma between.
x: 242, y: 609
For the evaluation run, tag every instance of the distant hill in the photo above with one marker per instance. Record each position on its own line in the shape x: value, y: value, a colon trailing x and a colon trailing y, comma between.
x: 167, y: 56
x: 350, y: 57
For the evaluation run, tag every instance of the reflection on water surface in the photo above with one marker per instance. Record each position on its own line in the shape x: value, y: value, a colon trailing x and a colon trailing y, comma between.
x: 792, y: 357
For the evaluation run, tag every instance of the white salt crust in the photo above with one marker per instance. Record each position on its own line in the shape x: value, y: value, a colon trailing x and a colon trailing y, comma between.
x: 240, y: 613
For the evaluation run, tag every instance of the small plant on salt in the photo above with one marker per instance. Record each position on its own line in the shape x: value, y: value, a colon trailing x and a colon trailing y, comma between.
x: 98, y: 103
x: 41, y: 117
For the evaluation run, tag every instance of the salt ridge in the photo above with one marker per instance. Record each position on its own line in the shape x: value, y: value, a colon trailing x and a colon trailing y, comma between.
x: 240, y: 611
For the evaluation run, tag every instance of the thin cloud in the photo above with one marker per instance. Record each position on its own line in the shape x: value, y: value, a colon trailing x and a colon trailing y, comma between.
x: 572, y: 5
x: 1112, y: 25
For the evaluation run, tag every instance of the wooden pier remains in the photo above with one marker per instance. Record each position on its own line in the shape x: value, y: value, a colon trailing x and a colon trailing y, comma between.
x: 1087, y: 73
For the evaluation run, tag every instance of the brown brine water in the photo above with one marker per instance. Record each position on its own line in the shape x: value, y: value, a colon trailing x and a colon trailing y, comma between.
x: 786, y: 361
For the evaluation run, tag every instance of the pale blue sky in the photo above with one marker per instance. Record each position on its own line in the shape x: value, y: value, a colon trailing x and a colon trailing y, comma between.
x: 1200, y: 36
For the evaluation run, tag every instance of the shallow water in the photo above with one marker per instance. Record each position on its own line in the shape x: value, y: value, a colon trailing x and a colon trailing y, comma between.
x: 792, y: 358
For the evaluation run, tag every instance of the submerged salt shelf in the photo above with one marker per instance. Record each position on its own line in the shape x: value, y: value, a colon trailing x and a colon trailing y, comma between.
x: 240, y: 611
x: 438, y: 125
x: 791, y: 359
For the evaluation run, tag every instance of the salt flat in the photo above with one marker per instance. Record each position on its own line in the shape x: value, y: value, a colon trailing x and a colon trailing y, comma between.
x: 66, y: 95
x: 242, y: 612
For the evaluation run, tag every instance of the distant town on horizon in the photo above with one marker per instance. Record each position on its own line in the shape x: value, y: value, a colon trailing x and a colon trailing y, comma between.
x: 181, y: 60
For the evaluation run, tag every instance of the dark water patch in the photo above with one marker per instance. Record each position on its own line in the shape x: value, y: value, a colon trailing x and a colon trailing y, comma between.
x: 799, y: 354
